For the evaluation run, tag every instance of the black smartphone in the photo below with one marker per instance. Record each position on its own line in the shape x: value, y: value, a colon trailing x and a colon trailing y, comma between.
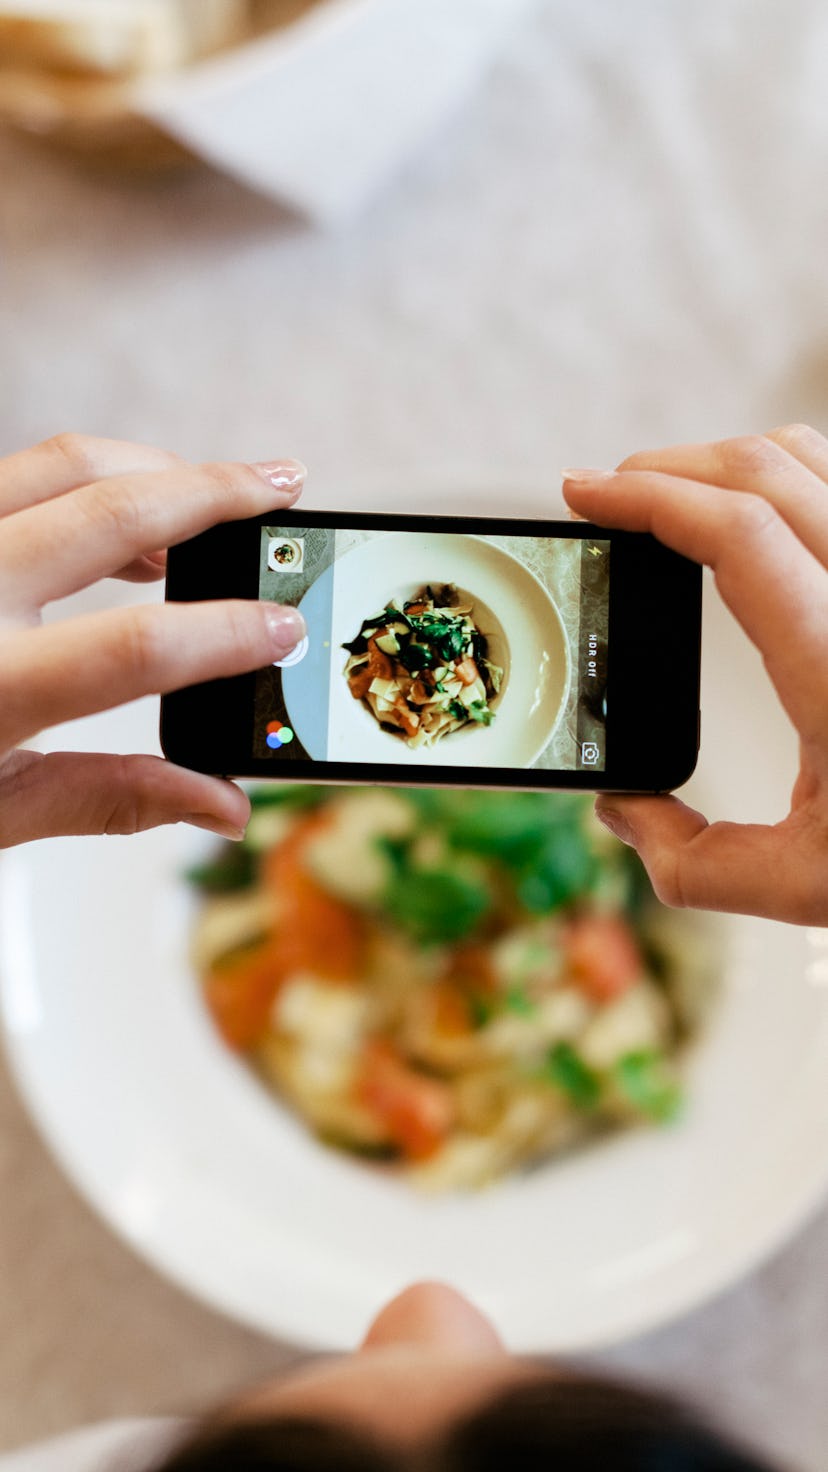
x: 449, y: 650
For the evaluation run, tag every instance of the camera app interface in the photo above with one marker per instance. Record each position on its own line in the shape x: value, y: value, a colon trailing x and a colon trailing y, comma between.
x: 437, y: 649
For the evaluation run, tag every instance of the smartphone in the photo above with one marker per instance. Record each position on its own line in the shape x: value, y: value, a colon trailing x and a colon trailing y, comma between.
x: 449, y: 651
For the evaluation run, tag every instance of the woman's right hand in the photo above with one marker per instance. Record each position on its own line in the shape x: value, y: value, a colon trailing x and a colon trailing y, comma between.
x: 755, y: 510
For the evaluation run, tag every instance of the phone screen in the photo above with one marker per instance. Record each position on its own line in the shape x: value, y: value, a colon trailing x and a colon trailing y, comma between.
x: 436, y: 648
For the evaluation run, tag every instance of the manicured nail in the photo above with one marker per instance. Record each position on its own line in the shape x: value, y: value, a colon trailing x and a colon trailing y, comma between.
x: 215, y: 825
x: 283, y: 475
x: 586, y: 474
x: 285, y: 626
x: 617, y: 824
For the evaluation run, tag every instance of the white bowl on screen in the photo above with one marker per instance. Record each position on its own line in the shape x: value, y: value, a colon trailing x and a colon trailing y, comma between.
x: 510, y: 606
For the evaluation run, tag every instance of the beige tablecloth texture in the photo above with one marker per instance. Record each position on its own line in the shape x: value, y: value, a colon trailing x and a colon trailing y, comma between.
x: 622, y: 241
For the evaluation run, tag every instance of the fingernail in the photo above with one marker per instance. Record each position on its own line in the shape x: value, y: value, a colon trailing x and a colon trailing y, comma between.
x: 159, y: 558
x: 617, y: 824
x: 285, y: 626
x: 583, y: 473
x: 283, y: 475
x: 219, y: 826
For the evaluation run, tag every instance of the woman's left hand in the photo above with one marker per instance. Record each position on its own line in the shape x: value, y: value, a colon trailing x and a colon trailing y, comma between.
x: 73, y: 510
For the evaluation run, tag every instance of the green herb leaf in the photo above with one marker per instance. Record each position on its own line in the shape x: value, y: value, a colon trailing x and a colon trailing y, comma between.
x: 479, y: 711
x: 561, y: 869
x: 510, y: 826
x: 436, y: 905
x: 415, y: 657
x: 233, y: 868
x: 646, y: 1080
x: 379, y: 620
x: 481, y: 1008
x: 569, y: 1072
x: 520, y: 1003
x: 395, y: 849
x: 288, y: 795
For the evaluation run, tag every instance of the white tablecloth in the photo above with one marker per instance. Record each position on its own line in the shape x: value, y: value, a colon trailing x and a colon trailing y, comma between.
x: 622, y: 241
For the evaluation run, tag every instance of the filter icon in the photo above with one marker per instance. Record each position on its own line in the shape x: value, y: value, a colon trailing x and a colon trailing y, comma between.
x: 278, y: 735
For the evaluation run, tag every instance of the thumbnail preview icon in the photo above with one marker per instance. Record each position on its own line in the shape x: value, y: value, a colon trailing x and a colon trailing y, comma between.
x: 286, y: 554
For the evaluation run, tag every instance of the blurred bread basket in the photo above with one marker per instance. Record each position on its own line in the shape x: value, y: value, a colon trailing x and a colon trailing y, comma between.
x: 315, y: 102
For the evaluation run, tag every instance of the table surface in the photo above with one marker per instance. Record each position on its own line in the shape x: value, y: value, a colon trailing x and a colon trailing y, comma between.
x: 620, y: 241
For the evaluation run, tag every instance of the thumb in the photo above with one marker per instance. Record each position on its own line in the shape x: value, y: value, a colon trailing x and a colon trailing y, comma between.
x: 746, y: 868
x: 79, y: 792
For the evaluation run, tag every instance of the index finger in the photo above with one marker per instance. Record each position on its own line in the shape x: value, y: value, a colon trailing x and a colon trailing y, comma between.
x: 100, y: 660
x: 58, y: 547
x: 67, y: 461
x: 785, y: 468
x: 773, y: 585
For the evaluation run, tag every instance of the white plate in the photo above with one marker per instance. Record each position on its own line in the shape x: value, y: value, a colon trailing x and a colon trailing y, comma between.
x: 184, y: 1154
x: 509, y: 605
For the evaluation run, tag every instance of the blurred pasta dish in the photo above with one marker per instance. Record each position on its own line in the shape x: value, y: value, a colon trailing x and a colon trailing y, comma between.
x: 459, y: 984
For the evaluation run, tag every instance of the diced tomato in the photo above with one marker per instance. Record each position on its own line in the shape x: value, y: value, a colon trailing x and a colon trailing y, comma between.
x: 467, y: 671
x: 359, y: 682
x: 421, y: 690
x: 405, y: 718
x: 240, y: 994
x: 603, y: 956
x: 315, y: 931
x: 380, y: 664
x: 416, y: 1112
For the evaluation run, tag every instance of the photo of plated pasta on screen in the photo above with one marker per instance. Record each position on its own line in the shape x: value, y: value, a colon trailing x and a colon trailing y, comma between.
x: 437, y: 648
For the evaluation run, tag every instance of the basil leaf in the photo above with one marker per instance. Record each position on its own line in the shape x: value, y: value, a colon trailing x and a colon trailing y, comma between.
x: 520, y: 1003
x: 234, y: 868
x: 566, y: 1069
x: 482, y: 1009
x: 288, y: 795
x: 436, y: 905
x: 415, y: 657
x: 645, y: 1079
x: 561, y: 869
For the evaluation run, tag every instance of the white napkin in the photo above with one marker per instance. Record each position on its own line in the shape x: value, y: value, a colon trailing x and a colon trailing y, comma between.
x: 321, y: 114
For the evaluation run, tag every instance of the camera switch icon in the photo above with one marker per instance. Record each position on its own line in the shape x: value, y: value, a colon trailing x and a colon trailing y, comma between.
x: 590, y: 753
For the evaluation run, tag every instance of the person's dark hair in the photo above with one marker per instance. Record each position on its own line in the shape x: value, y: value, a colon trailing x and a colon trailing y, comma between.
x: 277, y: 1444
x: 566, y: 1425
